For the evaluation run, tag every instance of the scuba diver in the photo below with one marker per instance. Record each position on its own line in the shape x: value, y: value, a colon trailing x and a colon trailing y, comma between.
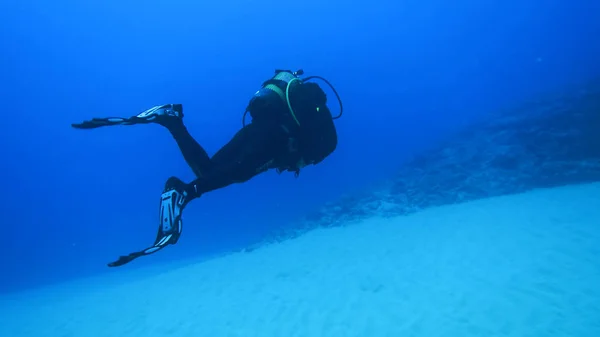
x: 291, y: 127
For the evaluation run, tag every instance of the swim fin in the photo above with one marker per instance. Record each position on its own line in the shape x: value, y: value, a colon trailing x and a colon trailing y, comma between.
x: 158, y: 114
x: 172, y: 202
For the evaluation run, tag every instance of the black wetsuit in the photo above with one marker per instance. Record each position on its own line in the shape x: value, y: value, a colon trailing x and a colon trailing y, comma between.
x: 272, y: 140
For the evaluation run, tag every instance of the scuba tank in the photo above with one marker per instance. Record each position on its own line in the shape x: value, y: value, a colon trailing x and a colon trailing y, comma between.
x: 268, y: 103
x: 300, y: 109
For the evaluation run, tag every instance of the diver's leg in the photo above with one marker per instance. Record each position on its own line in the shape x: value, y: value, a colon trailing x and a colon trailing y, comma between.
x: 250, y: 152
x: 171, y: 118
x: 195, y: 156
x: 253, y: 150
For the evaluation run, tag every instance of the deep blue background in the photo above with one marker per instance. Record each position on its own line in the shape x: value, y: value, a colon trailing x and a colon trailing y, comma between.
x: 409, y: 72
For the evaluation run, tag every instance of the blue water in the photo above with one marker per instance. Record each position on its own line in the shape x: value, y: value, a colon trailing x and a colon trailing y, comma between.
x: 409, y: 72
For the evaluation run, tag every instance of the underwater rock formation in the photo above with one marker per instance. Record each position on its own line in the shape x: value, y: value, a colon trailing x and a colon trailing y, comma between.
x: 549, y: 142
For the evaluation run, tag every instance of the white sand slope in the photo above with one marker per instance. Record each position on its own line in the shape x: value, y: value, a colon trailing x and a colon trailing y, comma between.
x: 523, y: 265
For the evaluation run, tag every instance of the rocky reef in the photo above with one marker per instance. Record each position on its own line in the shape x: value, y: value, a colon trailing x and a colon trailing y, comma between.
x: 551, y: 141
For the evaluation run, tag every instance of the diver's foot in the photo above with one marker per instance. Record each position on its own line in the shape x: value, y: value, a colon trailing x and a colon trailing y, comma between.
x: 166, y: 115
x: 172, y: 201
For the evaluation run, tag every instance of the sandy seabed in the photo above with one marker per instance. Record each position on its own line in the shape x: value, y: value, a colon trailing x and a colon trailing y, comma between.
x: 520, y: 265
